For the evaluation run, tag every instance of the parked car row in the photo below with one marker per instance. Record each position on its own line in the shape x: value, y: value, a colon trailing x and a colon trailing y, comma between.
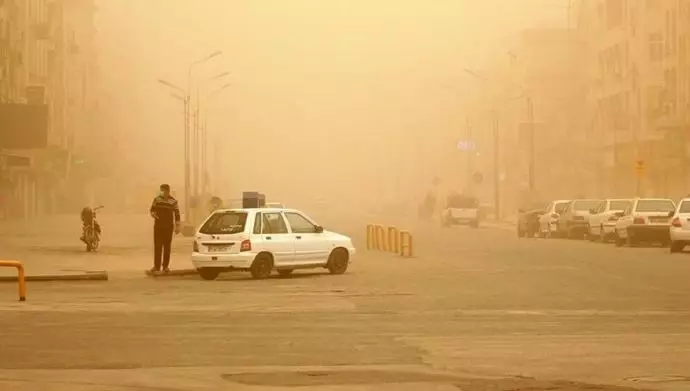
x: 621, y: 221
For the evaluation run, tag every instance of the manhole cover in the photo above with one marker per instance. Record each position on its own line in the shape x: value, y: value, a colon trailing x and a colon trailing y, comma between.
x: 659, y: 379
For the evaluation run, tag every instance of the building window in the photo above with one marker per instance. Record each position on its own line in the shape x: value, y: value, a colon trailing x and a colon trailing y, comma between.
x: 656, y: 47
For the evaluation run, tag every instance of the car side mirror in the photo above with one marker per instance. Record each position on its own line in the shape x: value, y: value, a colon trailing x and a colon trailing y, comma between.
x: 318, y: 229
x: 671, y: 213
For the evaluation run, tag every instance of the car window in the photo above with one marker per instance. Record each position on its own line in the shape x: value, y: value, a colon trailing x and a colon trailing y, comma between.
x: 684, y: 207
x: 561, y: 207
x: 655, y: 206
x: 224, y: 223
x: 299, y: 224
x: 601, y: 207
x: 273, y: 223
x: 620, y: 205
x: 584, y: 205
x: 257, y: 224
x: 628, y: 210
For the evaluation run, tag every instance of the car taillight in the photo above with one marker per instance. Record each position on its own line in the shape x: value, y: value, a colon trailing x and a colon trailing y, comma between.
x: 195, y: 247
x: 639, y: 220
x: 246, y: 245
x: 676, y: 222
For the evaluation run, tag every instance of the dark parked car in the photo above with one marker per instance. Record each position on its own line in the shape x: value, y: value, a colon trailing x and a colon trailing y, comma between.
x: 528, y: 220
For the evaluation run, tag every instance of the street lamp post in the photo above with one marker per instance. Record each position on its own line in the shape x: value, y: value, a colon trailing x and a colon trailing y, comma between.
x: 204, y: 135
x: 185, y: 98
x: 200, y: 138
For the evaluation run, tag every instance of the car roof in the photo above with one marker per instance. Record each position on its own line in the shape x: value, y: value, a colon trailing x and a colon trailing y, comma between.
x: 652, y: 199
x: 256, y: 210
x: 560, y: 201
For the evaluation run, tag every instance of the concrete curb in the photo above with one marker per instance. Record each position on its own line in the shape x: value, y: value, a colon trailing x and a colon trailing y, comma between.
x: 85, y: 276
x: 173, y: 273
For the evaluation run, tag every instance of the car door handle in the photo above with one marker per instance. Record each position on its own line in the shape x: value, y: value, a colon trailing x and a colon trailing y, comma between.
x: 298, y: 237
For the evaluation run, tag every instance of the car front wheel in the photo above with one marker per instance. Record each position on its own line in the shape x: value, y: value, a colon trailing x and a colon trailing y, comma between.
x: 338, y: 261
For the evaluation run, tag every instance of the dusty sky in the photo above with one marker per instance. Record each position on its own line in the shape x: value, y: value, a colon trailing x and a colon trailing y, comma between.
x: 337, y: 95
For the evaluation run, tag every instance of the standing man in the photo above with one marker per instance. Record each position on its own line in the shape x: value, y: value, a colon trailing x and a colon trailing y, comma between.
x: 166, y: 215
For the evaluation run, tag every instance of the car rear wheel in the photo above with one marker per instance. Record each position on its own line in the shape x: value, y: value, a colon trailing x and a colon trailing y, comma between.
x: 677, y: 246
x: 209, y: 273
x: 261, y: 267
x: 619, y: 241
x: 630, y: 240
x: 338, y: 261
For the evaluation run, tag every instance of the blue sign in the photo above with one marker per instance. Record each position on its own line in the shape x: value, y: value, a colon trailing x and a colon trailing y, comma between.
x: 466, y: 145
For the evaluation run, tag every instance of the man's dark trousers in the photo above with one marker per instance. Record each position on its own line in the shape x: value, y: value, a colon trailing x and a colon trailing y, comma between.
x: 162, y: 241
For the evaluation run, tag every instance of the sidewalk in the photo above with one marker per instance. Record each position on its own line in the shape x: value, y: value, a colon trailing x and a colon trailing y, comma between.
x: 51, y: 245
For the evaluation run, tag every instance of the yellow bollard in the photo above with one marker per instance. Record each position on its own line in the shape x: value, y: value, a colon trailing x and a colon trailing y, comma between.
x: 371, y: 232
x: 394, y: 240
x: 406, y: 244
x: 380, y: 237
x: 20, y: 276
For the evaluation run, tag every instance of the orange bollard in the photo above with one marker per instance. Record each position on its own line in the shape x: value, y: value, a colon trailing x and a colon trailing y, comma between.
x: 394, y: 240
x: 406, y: 244
x: 380, y: 235
x: 20, y: 276
x: 371, y: 232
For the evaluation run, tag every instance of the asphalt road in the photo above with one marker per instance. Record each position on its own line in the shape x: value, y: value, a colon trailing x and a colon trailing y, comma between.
x: 475, y: 309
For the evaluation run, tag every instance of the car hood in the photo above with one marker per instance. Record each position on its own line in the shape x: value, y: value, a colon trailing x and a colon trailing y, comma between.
x: 336, y: 236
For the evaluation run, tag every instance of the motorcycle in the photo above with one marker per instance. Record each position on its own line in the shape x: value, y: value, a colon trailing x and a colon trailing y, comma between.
x: 92, y: 231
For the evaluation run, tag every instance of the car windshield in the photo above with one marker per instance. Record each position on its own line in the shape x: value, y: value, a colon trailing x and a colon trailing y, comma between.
x: 585, y: 205
x: 460, y: 201
x: 684, y: 207
x: 560, y: 207
x: 655, y: 206
x: 620, y: 205
x: 225, y: 223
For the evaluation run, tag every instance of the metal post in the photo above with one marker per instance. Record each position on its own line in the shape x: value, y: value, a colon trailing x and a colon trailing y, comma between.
x: 204, y: 172
x: 530, y: 119
x: 469, y: 151
x: 497, y: 169
x: 186, y: 158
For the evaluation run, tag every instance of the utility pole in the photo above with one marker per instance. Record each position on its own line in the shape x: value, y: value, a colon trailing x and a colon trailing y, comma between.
x: 186, y: 158
x: 469, y: 151
x: 204, y: 172
x: 497, y: 168
x: 530, y: 126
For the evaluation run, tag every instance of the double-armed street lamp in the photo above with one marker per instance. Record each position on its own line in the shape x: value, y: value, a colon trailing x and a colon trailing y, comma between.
x: 185, y: 95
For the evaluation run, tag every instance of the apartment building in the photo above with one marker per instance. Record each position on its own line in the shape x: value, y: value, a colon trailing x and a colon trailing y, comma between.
x: 633, y: 94
x: 46, y: 51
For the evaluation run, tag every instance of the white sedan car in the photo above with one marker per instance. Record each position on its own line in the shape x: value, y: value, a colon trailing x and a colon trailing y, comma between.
x: 265, y: 239
x: 548, y: 221
x: 680, y: 226
x: 602, y: 221
x: 646, y: 220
